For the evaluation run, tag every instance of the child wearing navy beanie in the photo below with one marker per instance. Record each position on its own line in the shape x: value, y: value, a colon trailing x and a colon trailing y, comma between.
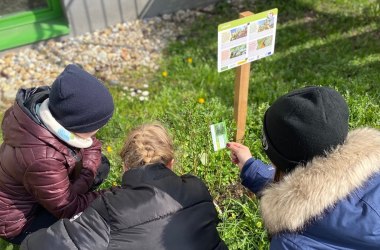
x: 79, y: 102
x: 51, y: 162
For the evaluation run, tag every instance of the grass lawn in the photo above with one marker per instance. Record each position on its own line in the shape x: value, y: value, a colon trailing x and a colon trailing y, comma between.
x: 330, y: 43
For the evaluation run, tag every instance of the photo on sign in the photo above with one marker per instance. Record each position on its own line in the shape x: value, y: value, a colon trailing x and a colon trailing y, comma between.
x: 238, y: 51
x: 239, y: 32
x: 264, y: 42
x: 219, y: 135
x: 267, y: 23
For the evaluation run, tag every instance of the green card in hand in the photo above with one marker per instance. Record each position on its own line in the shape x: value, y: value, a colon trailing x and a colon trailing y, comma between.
x: 219, y: 135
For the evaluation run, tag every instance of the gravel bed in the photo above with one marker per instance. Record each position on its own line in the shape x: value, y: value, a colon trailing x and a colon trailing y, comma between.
x: 125, y: 54
x: 115, y: 55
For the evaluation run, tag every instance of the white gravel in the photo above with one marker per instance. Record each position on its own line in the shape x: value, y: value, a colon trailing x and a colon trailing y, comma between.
x: 123, y: 54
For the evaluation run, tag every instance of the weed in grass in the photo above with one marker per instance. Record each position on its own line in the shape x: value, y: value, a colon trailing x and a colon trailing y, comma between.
x: 242, y: 227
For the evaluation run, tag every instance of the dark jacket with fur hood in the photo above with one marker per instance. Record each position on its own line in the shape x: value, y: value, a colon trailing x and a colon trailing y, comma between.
x: 36, y: 168
x: 331, y: 203
x: 154, y: 209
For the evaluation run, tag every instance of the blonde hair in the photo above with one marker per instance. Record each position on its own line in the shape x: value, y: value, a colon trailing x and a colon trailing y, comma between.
x: 147, y: 144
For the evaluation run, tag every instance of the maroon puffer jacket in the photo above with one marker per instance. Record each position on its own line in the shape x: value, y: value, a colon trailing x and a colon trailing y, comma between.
x: 37, y: 168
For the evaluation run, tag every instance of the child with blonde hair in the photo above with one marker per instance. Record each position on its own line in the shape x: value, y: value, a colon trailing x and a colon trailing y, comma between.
x: 149, y: 143
x: 153, y: 209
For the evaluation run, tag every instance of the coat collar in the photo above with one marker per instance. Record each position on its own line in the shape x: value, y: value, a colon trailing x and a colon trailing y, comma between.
x: 308, y: 191
x: 57, y: 129
x: 146, y: 174
x: 19, y: 130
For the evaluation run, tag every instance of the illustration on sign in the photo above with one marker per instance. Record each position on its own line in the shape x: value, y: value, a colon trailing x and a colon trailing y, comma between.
x: 246, y: 39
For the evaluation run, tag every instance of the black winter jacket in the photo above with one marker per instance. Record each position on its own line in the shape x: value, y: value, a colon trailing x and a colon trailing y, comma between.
x: 154, y: 209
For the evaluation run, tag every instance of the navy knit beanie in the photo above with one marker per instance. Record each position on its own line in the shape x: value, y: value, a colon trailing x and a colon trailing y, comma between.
x: 79, y: 101
x: 302, y: 124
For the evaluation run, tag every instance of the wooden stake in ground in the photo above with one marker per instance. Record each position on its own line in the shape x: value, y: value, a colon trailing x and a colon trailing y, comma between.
x: 241, y: 94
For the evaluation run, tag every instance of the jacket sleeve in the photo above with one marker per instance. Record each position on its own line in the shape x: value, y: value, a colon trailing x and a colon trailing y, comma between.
x: 87, y: 231
x: 91, y: 159
x: 284, y: 243
x: 92, y: 156
x: 255, y: 175
x: 48, y: 182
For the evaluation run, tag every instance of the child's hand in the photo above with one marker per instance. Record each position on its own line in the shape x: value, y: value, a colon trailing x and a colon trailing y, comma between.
x: 240, y: 154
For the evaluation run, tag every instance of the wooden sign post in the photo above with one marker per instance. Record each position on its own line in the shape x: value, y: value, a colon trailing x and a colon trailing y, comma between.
x: 249, y: 38
x: 241, y: 94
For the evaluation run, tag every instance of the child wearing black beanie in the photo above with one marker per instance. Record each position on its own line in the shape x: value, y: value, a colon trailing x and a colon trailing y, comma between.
x: 322, y: 190
x: 50, y: 159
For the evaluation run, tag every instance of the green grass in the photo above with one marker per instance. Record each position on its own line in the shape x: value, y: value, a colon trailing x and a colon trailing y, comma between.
x: 329, y: 43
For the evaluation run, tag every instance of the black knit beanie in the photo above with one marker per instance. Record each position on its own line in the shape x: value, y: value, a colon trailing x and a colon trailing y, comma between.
x: 79, y: 101
x: 303, y: 124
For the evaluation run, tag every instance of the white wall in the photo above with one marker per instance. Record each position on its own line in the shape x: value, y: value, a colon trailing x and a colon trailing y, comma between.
x: 90, y: 15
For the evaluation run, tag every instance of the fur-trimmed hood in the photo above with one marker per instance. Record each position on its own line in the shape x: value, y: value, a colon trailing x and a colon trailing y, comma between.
x: 308, y: 191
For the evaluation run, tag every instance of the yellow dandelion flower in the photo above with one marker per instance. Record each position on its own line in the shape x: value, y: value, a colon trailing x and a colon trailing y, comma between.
x: 201, y: 100
x: 232, y: 216
x: 114, y: 183
x: 109, y: 149
x: 190, y: 60
x: 259, y: 224
x: 164, y: 73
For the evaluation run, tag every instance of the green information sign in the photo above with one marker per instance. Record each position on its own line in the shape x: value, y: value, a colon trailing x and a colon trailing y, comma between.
x: 246, y: 39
